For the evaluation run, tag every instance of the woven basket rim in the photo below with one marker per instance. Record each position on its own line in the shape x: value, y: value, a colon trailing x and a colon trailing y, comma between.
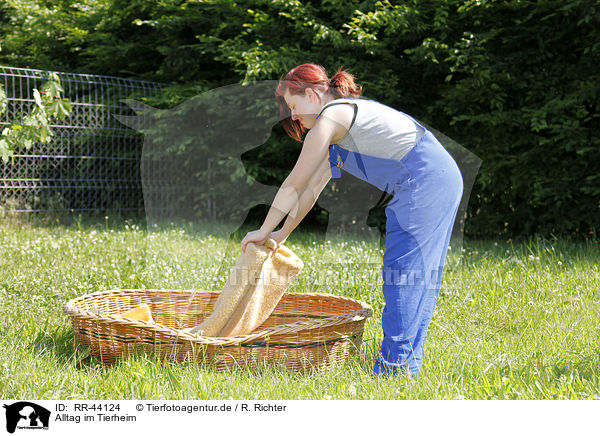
x: 358, y: 315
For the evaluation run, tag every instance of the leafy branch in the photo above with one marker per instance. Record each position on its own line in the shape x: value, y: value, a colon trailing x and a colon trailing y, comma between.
x: 35, y: 127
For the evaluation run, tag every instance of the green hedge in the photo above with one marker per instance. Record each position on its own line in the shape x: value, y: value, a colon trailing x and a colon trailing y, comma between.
x: 516, y: 82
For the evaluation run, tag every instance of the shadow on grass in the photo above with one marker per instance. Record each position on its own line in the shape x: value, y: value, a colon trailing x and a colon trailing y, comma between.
x: 60, y: 344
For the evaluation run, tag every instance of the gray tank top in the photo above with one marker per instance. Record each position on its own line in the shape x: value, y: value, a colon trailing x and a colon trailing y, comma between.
x: 378, y: 130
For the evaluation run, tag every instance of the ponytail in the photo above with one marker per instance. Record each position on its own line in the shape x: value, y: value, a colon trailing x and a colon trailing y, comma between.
x: 342, y: 85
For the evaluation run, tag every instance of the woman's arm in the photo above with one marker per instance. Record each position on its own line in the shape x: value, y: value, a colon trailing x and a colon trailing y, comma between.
x: 292, y: 197
x: 313, y: 155
x: 308, y: 198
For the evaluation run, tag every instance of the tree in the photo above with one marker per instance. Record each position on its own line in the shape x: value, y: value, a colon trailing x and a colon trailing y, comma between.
x: 515, y: 81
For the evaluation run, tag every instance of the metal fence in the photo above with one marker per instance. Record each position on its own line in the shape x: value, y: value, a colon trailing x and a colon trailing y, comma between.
x: 92, y: 164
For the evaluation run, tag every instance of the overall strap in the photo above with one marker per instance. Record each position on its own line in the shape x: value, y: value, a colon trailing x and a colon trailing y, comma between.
x: 338, y: 101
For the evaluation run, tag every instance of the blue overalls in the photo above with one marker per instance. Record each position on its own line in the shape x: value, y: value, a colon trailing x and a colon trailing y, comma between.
x: 427, y: 188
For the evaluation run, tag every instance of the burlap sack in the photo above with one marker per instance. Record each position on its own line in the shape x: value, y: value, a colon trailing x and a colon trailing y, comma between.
x: 254, y: 287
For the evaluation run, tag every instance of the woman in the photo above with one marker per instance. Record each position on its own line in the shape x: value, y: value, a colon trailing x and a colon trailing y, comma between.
x: 394, y: 152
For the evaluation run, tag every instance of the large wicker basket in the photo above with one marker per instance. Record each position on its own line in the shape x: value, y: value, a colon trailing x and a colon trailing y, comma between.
x: 305, y: 331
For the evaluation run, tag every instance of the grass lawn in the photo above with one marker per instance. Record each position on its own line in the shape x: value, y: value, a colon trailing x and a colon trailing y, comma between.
x: 514, y: 320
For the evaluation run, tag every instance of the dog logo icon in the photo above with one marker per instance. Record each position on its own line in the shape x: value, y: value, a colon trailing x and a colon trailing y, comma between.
x: 26, y: 415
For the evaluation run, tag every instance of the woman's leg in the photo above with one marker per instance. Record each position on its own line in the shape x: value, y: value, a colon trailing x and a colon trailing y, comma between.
x: 419, y: 226
x: 406, y: 303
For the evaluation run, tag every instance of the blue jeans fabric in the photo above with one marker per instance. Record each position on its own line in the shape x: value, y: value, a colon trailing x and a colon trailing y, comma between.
x: 427, y: 188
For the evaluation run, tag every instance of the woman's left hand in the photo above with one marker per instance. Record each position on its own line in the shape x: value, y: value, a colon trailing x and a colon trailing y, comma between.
x: 279, y: 237
x: 257, y: 236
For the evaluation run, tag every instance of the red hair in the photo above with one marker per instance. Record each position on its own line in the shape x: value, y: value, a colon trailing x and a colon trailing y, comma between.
x: 313, y: 76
